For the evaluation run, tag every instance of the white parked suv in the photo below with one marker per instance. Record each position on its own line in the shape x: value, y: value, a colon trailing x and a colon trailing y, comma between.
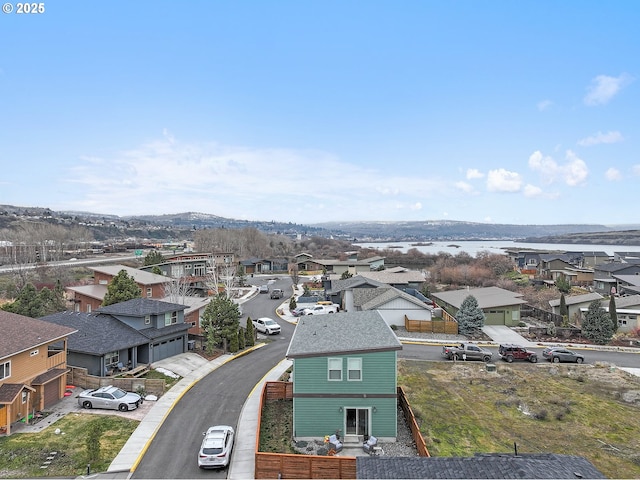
x: 266, y: 325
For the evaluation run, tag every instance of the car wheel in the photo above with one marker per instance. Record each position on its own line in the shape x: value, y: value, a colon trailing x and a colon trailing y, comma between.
x: 579, y: 360
x: 487, y: 359
x: 509, y: 358
x: 556, y: 359
x: 533, y: 359
x: 123, y: 407
x: 86, y: 404
x: 455, y: 357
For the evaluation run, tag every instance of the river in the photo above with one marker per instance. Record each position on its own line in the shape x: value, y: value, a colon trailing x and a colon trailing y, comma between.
x: 472, y: 247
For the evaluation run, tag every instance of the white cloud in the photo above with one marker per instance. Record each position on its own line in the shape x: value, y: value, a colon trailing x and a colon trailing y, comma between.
x: 464, y: 187
x: 598, y: 138
x: 636, y: 169
x: 502, y: 180
x: 544, y: 105
x: 613, y: 174
x: 532, y: 191
x: 474, y: 173
x: 603, y: 88
x: 573, y: 172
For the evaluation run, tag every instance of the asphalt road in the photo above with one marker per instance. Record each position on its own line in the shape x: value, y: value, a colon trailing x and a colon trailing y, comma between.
x: 216, y: 399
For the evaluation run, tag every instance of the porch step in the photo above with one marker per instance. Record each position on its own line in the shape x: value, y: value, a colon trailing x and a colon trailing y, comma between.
x: 351, y: 440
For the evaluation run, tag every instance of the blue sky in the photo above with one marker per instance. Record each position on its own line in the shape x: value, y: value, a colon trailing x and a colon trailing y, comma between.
x: 312, y: 111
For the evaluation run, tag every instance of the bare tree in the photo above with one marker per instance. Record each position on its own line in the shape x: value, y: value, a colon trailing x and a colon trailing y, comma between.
x: 294, y: 274
x: 177, y: 289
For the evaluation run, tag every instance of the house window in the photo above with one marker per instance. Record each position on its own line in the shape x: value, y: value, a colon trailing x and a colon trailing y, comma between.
x: 24, y: 396
x: 147, y: 319
x: 33, y: 353
x: 354, y: 369
x: 112, y: 358
x: 335, y: 369
x: 149, y: 292
x: 170, y: 318
x: 5, y: 370
x: 88, y: 308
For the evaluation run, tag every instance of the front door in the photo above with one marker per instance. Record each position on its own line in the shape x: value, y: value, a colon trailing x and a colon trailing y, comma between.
x: 357, y: 421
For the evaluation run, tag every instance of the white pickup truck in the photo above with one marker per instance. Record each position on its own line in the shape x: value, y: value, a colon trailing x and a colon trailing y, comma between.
x: 319, y: 309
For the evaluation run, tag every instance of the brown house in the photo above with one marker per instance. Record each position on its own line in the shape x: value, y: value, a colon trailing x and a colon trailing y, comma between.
x: 88, y: 298
x: 33, y: 366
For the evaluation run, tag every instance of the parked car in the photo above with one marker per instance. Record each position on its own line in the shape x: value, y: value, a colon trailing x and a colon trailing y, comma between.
x: 266, y: 325
x: 509, y: 353
x: 263, y: 289
x: 299, y: 310
x: 109, y: 397
x: 561, y: 354
x: 217, y: 445
x: 466, y: 351
x: 277, y: 293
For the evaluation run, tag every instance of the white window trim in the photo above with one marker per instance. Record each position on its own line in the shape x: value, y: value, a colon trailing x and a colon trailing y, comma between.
x: 334, y: 360
x: 147, y: 319
x: 6, y: 366
x: 354, y: 364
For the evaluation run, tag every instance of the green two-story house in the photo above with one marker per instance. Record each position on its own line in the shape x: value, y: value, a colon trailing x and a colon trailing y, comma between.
x: 344, y: 376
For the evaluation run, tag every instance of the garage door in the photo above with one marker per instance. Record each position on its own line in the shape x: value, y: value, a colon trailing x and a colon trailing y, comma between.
x: 51, y: 392
x: 168, y: 348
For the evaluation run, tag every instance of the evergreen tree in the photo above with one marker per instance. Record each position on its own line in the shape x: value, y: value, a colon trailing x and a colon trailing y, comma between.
x: 59, y: 303
x: 154, y: 257
x: 156, y: 269
x: 249, y: 334
x: 234, y: 343
x: 241, y: 275
x: 470, y: 317
x: 292, y: 303
x: 563, y: 285
x: 346, y: 274
x: 564, y: 311
x: 220, y: 321
x: 596, y: 325
x: 242, y: 338
x: 27, y: 303
x: 613, y: 314
x: 121, y: 288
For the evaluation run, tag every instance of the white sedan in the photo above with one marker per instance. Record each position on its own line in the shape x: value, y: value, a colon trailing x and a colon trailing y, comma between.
x: 217, y: 444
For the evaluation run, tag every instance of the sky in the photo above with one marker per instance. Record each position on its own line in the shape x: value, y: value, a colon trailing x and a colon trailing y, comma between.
x: 315, y: 111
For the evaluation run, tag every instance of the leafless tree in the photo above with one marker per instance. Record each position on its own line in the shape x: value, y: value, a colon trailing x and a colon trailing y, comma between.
x: 177, y: 289
x: 294, y: 274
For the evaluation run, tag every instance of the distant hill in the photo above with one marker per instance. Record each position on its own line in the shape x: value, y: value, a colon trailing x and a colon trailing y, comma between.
x: 617, y: 237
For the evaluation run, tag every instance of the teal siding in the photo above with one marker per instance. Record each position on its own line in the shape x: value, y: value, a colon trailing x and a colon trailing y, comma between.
x: 320, y: 415
x: 317, y: 417
x: 310, y: 375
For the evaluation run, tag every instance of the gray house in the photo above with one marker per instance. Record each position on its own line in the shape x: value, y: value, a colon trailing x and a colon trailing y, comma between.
x: 127, y: 334
x: 574, y: 303
x: 500, y: 306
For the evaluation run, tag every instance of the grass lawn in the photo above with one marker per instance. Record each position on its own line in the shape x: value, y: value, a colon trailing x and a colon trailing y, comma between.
x: 590, y: 411
x: 22, y: 455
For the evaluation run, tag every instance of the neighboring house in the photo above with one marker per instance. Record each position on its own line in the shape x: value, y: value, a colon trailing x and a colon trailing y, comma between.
x: 256, y: 265
x: 335, y: 289
x: 553, y: 262
x: 33, y: 366
x: 626, y: 257
x: 627, y: 311
x: 627, y: 284
x: 574, y: 304
x: 494, y: 466
x: 140, y: 331
x: 392, y: 304
x: 344, y: 376
x: 193, y: 313
x: 88, y: 298
x: 592, y: 259
x: 500, y: 306
x: 603, y: 276
x: 399, y: 277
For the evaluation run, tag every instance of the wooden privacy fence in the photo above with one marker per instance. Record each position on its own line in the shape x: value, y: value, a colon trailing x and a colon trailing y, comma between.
x: 286, y: 465
x: 80, y: 378
x: 542, y: 315
x: 432, y: 326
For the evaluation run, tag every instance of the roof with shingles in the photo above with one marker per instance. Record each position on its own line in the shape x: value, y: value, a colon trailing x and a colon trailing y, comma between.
x: 98, y: 334
x: 139, y: 276
x: 137, y: 307
x: 342, y: 333
x: 372, y: 298
x: 93, y: 291
x: 487, y: 297
x: 395, y: 277
x: 575, y: 299
x: 153, y: 333
x: 353, y: 282
x: 615, y: 267
x: 630, y: 279
x: 20, y: 333
x: 497, y: 466
x: 624, y: 302
x: 9, y: 392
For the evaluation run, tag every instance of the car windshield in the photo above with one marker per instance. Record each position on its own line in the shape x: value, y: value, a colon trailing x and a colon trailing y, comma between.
x: 118, y: 393
x: 213, y: 444
x: 269, y: 322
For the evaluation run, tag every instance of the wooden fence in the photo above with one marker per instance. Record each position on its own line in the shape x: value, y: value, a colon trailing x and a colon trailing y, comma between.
x: 286, y: 465
x: 541, y: 315
x: 431, y: 326
x: 80, y: 378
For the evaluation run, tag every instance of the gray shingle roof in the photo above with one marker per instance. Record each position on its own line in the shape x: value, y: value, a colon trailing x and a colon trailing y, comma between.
x: 395, y: 277
x: 357, y: 281
x: 342, y: 333
x: 575, y: 299
x: 139, y: 307
x: 498, y: 466
x: 97, y: 334
x: 140, y: 276
x: 19, y: 333
x: 487, y: 297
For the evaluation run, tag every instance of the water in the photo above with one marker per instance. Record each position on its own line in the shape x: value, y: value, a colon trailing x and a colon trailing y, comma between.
x: 473, y: 247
